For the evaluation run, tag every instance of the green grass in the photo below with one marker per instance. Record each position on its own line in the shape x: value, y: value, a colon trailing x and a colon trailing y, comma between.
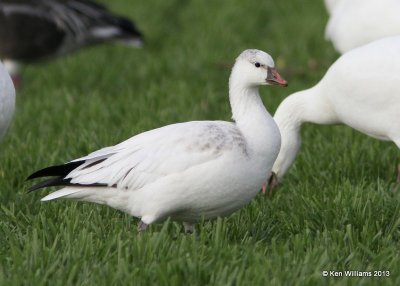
x: 334, y: 210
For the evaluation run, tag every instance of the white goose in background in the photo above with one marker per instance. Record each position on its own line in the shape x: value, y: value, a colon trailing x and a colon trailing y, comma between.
x: 7, y: 100
x: 354, y: 23
x: 361, y: 89
x: 185, y: 171
x: 330, y: 5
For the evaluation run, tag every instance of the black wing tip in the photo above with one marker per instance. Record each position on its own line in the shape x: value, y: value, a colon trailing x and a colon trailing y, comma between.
x: 35, y: 175
x: 49, y: 183
x: 129, y: 27
x: 107, y: 16
x: 57, y: 170
x: 57, y: 182
x: 60, y: 172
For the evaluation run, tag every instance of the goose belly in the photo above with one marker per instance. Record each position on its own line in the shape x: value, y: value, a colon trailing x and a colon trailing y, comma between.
x: 200, y: 192
x: 376, y: 119
x: 373, y: 109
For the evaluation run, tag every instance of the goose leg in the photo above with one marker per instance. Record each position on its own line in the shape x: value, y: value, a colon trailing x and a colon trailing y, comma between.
x: 141, y: 227
x: 271, y: 184
x: 189, y: 227
x: 264, y: 188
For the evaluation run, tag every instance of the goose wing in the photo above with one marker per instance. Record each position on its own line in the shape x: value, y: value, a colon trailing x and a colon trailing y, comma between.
x: 146, y: 157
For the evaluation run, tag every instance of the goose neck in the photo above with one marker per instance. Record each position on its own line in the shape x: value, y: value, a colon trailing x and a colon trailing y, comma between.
x: 251, y: 117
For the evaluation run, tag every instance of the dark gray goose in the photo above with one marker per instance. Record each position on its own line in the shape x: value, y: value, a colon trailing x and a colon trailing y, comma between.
x: 34, y: 30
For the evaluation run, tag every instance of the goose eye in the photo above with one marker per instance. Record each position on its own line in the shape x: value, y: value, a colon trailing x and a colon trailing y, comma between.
x: 257, y: 65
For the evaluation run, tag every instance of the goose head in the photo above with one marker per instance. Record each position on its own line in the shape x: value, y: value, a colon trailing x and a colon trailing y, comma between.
x: 254, y: 67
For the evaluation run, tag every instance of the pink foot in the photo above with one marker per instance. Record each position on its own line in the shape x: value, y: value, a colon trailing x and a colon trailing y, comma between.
x: 264, y: 188
x: 271, y: 185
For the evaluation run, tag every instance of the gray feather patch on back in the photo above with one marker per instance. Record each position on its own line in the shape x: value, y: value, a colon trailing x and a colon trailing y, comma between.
x: 217, y: 140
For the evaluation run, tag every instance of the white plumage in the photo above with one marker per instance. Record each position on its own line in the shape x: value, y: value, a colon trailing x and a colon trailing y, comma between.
x: 330, y: 5
x: 7, y: 100
x: 361, y: 89
x: 354, y: 23
x: 186, y: 171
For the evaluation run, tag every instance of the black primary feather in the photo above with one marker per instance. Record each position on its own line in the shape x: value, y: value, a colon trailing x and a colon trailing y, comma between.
x: 49, y: 183
x: 59, y: 170
x: 55, y: 182
x: 98, y: 15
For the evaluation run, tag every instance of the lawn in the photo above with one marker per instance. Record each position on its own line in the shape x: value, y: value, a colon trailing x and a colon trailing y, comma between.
x: 335, y: 210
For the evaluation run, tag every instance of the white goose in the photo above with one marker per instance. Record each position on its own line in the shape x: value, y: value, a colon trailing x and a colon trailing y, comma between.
x: 361, y: 89
x: 7, y: 100
x: 330, y: 5
x: 354, y: 23
x: 185, y: 171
